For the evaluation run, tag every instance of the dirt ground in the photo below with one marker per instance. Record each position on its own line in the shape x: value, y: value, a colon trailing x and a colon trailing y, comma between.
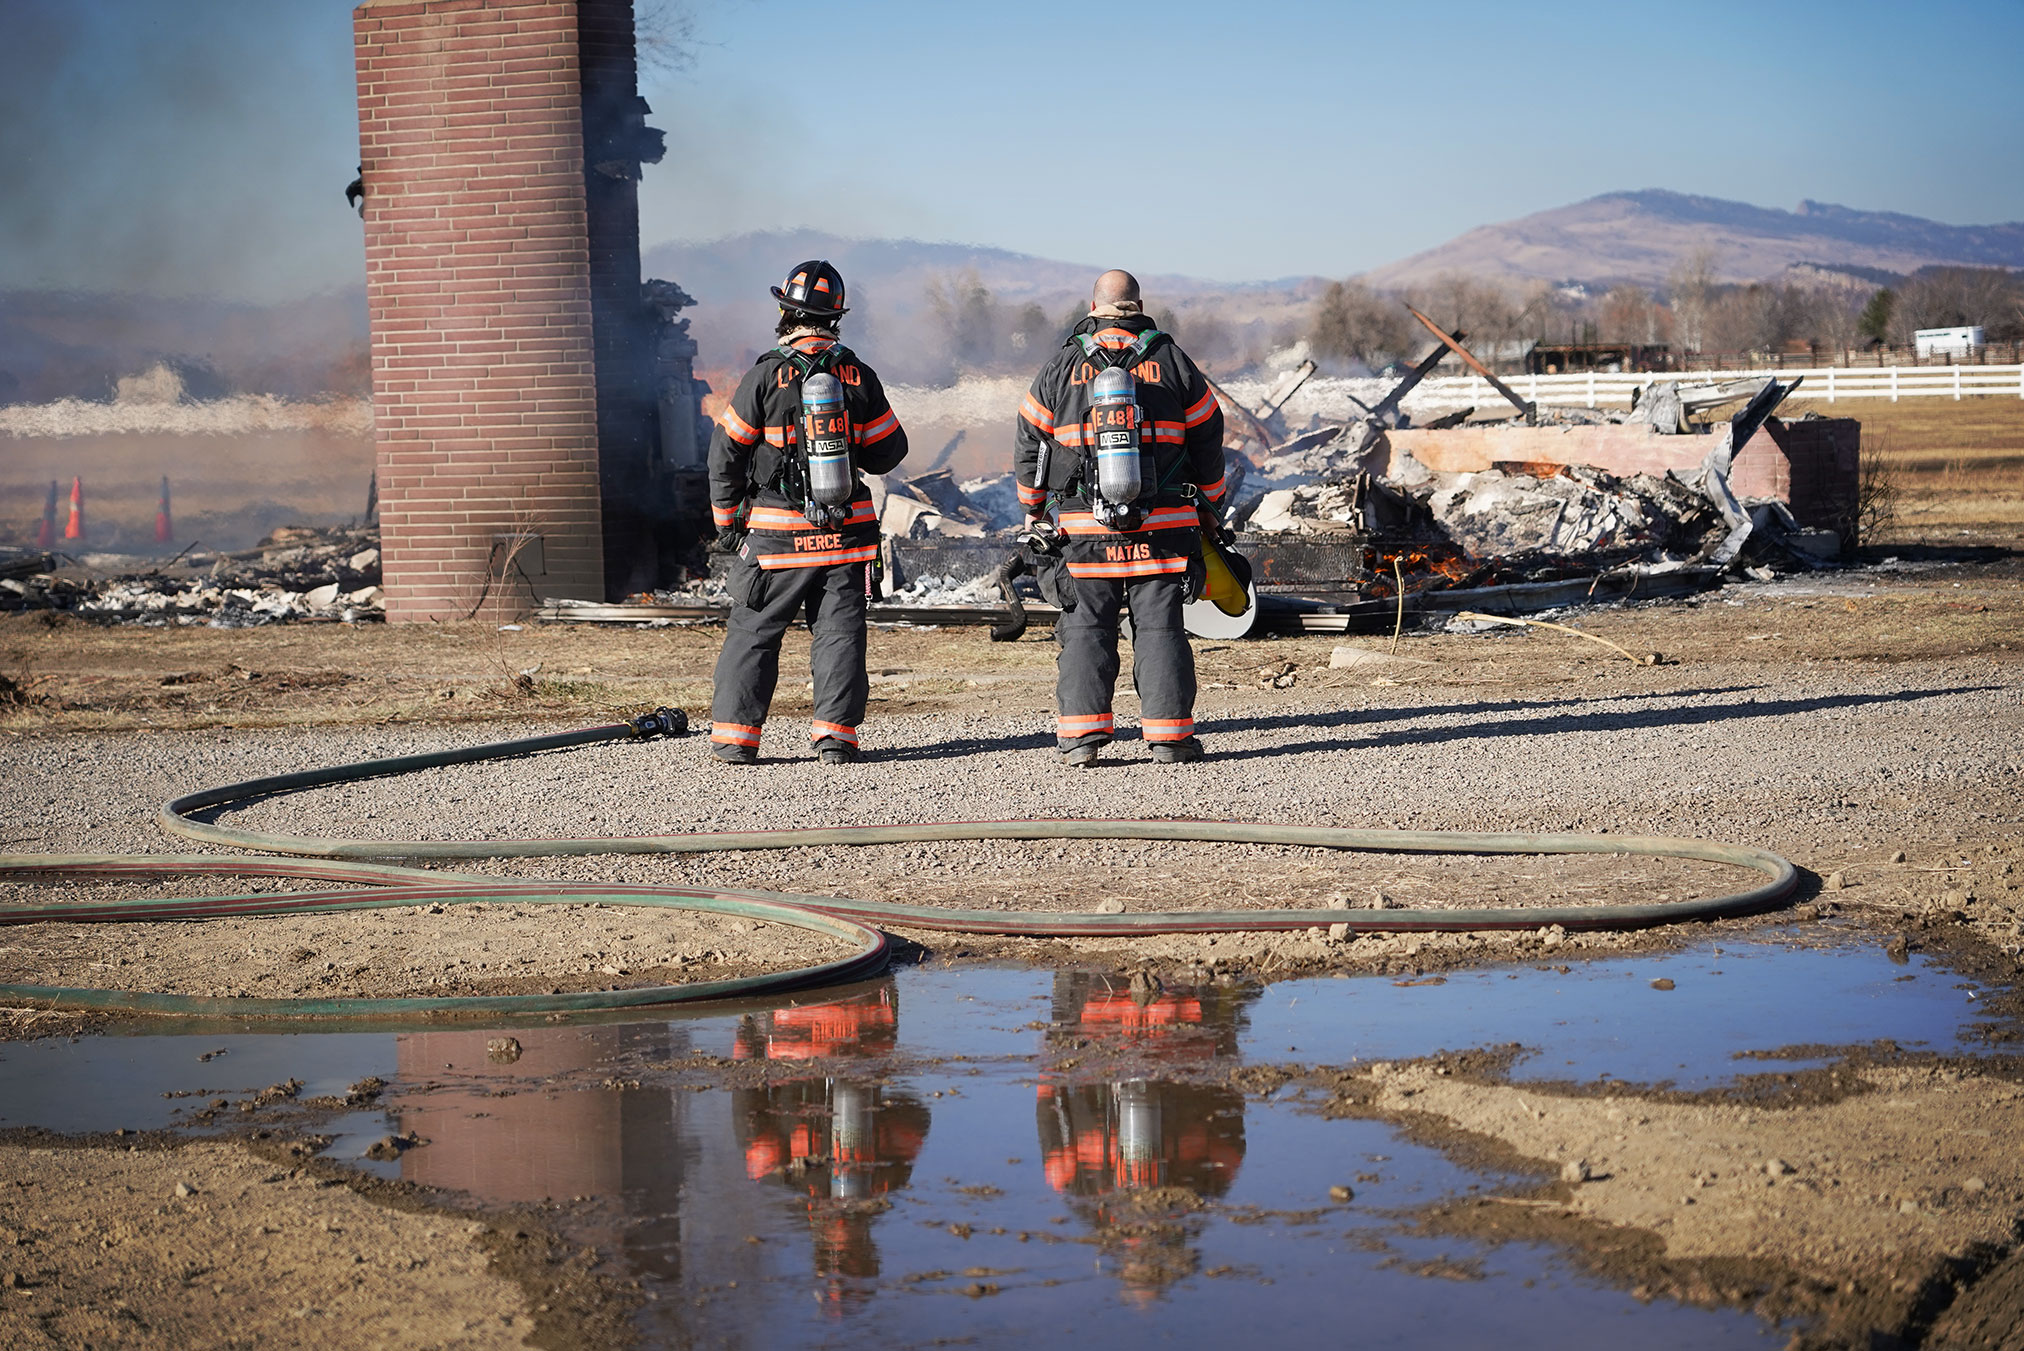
x: 157, y: 1241
x: 1868, y: 725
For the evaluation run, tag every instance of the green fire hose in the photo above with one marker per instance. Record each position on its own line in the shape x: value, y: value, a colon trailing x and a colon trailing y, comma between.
x: 382, y: 885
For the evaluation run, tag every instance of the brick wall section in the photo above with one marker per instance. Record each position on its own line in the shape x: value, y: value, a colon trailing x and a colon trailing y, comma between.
x: 1823, y: 458
x: 627, y: 401
x: 478, y: 293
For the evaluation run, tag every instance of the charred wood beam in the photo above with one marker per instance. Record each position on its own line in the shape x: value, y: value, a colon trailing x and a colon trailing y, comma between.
x: 1454, y: 344
x: 1286, y: 386
x: 1252, y: 426
x: 1385, y: 413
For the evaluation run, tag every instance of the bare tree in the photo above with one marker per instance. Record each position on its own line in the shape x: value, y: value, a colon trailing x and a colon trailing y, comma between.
x: 1031, y: 333
x: 1629, y: 314
x: 967, y: 313
x: 1955, y: 297
x: 1354, y: 323
x: 1692, y: 290
x: 1479, y: 307
x: 664, y: 36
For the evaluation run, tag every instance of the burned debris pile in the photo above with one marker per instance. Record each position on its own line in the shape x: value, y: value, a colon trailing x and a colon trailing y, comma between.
x: 295, y: 573
x: 1514, y: 519
x: 1541, y: 492
x: 1688, y: 484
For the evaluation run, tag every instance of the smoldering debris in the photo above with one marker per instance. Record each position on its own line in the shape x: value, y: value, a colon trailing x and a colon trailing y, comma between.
x: 296, y: 573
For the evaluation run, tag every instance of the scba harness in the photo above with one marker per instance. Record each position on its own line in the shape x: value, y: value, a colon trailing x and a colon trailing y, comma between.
x: 816, y: 470
x: 1108, y: 464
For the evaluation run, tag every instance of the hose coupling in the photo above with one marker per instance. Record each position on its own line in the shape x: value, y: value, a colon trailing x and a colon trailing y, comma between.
x: 660, y: 722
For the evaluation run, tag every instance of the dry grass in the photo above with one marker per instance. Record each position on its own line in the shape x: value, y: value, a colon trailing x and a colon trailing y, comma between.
x: 1957, y: 468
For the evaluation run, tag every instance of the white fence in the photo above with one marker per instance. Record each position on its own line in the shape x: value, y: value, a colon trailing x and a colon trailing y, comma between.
x: 1597, y: 389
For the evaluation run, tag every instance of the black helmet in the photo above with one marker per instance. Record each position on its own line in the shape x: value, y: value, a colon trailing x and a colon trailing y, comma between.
x: 813, y: 288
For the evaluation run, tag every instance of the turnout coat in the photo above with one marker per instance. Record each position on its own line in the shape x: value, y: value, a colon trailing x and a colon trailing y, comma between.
x: 756, y: 437
x: 1183, y: 431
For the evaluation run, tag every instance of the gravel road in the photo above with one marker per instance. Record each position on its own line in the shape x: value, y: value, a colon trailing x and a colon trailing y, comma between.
x: 1837, y: 767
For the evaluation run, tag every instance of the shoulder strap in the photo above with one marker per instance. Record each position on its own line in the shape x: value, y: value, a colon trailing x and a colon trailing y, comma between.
x: 809, y: 365
x: 1122, y: 356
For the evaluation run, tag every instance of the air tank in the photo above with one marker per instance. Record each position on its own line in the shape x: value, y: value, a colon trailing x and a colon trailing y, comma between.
x: 1114, y: 416
x: 825, y: 439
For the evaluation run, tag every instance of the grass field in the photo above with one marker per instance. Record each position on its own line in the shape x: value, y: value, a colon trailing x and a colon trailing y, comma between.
x: 1958, y: 466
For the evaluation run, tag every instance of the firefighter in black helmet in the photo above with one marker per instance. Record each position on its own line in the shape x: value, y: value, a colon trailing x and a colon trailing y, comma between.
x: 1119, y: 441
x: 787, y: 499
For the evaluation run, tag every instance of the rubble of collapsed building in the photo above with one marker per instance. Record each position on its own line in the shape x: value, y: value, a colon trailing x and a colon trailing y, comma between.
x: 295, y: 573
x: 1370, y: 514
x: 1347, y: 522
x: 1509, y: 517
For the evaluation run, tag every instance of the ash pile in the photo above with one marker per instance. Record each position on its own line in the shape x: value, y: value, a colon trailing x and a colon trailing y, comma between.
x: 296, y: 573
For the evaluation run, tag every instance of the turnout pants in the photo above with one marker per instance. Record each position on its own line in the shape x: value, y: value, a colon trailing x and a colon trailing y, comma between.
x: 1162, y: 666
x: 765, y: 603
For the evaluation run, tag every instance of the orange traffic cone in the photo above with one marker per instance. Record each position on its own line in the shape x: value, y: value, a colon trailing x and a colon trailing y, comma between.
x: 46, y: 536
x: 74, y: 528
x: 165, y: 530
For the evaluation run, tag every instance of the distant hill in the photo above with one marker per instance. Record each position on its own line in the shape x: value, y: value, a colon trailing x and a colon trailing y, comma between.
x: 71, y: 344
x: 888, y: 280
x: 76, y: 344
x: 1641, y: 237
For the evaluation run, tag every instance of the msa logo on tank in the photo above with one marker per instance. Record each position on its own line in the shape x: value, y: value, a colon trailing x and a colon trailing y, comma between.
x: 825, y: 443
x: 1116, y: 433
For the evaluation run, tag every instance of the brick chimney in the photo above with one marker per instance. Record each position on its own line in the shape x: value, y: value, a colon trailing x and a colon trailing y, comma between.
x: 500, y: 143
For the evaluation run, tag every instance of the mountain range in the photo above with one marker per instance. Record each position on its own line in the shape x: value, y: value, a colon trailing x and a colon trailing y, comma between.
x: 889, y: 282
x: 1642, y: 237
x: 57, y: 344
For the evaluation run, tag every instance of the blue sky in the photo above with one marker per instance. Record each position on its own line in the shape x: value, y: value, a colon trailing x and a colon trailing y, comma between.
x: 201, y: 146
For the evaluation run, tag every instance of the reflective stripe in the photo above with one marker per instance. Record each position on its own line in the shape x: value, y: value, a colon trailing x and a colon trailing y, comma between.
x: 1172, y: 432
x: 1031, y: 497
x: 831, y: 731
x: 810, y: 344
x: 1140, y: 567
x: 1213, y: 491
x: 1199, y: 412
x: 783, y: 520
x: 1036, y: 413
x: 1114, y: 338
x: 1082, y: 724
x: 724, y: 516
x: 863, y: 553
x: 1167, y: 729
x: 1072, y: 434
x: 734, y: 734
x: 877, y: 430
x: 737, y: 428
x: 1159, y: 518
x: 781, y: 437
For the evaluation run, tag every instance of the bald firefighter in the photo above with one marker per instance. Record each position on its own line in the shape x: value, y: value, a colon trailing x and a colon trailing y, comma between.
x: 787, y: 499
x: 1119, y: 442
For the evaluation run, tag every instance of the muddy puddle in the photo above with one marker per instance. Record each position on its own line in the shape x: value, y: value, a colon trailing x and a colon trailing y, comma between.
x: 977, y: 1153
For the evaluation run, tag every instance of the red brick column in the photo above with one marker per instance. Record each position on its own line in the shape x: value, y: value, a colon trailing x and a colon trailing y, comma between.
x: 478, y: 292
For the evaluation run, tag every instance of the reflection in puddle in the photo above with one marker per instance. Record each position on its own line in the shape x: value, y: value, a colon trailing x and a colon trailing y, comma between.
x: 499, y: 1129
x: 1023, y: 1149
x: 1140, y: 1157
x: 840, y: 1142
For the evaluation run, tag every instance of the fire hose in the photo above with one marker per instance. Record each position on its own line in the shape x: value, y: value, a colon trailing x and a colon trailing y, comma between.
x: 379, y: 885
